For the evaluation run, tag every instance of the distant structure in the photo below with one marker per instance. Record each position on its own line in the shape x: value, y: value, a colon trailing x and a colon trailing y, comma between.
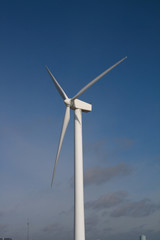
x: 5, y: 238
x: 27, y: 229
x: 142, y: 237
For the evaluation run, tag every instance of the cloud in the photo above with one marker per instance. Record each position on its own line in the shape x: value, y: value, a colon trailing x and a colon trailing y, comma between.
x: 97, y: 175
x: 136, y: 209
x: 91, y: 222
x: 52, y: 227
x: 94, y: 147
x: 107, y: 201
x: 1, y: 213
x: 124, y: 143
x: 57, y: 231
x: 3, y: 227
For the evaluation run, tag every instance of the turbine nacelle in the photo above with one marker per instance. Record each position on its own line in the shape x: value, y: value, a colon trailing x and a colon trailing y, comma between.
x: 78, y: 104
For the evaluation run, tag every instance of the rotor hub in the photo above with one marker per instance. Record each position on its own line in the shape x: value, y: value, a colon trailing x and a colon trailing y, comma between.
x: 67, y: 101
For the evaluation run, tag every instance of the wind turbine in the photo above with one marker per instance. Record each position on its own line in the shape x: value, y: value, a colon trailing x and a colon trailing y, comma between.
x: 78, y: 106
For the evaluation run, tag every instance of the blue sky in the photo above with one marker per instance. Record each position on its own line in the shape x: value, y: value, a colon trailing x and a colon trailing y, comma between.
x: 78, y: 40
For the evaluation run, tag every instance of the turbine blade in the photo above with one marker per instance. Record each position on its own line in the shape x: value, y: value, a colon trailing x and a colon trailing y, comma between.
x: 64, y: 127
x: 59, y: 88
x: 96, y: 79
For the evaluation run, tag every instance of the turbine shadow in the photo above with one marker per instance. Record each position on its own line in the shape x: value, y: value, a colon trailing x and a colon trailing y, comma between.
x: 75, y: 117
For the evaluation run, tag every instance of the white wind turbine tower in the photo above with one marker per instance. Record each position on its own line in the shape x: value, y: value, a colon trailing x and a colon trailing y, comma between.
x: 78, y: 106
